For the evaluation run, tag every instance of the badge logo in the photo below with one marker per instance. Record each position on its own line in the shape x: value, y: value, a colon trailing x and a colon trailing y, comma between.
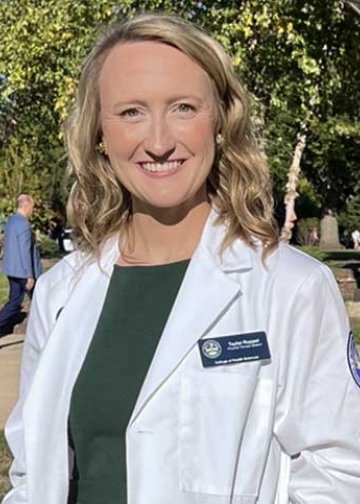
x: 354, y: 359
x: 211, y: 349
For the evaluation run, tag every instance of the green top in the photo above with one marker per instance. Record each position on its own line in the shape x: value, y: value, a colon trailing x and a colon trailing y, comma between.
x: 137, y: 305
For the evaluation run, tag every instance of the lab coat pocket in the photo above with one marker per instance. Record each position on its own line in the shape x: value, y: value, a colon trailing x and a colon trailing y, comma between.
x: 213, y: 414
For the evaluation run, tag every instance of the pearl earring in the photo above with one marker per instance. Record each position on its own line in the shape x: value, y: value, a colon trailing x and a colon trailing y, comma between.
x: 219, y: 138
x: 101, y: 148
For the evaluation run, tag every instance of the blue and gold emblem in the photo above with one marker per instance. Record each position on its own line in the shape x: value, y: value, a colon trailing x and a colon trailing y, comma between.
x: 354, y: 359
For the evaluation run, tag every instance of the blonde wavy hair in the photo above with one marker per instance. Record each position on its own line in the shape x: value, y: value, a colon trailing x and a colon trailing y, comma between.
x: 239, y: 183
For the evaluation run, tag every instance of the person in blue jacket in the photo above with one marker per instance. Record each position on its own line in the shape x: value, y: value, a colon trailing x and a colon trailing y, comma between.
x: 21, y: 261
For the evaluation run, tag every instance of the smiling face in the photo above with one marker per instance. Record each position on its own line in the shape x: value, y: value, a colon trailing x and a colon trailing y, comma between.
x: 158, y: 118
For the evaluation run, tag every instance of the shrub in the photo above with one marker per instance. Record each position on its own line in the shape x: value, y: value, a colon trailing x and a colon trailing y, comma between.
x: 47, y: 246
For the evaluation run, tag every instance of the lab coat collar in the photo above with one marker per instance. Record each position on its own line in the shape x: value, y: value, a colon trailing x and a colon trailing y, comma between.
x: 236, y: 257
x: 108, y: 256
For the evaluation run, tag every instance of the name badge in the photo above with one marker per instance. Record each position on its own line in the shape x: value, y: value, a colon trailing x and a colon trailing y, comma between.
x: 225, y: 350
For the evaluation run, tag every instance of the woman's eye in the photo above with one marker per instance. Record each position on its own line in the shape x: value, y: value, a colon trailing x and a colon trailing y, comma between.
x: 131, y: 112
x: 186, y: 107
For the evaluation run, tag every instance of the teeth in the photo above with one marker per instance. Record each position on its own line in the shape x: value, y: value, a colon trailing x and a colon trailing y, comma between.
x: 160, y: 167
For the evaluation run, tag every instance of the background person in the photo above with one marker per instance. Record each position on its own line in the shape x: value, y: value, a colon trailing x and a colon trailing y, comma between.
x: 21, y: 260
x: 355, y: 235
x: 182, y: 355
x: 314, y: 236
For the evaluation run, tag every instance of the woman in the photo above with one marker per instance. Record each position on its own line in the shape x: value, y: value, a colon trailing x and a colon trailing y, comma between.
x: 181, y: 355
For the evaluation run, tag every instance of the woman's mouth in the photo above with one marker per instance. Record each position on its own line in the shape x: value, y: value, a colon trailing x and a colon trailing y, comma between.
x: 168, y: 166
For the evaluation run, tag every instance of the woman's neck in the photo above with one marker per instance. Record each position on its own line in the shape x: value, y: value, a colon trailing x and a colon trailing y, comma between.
x: 164, y: 238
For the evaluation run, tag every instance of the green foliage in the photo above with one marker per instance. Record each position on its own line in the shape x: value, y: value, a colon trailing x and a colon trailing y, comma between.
x: 332, y: 160
x: 307, y: 204
x: 48, y: 247
x: 18, y: 174
x: 5, y: 461
x: 43, y: 44
x: 2, y: 221
x: 350, y: 218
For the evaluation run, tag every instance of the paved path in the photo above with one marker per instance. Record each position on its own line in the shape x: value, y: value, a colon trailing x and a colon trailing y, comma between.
x: 10, y: 354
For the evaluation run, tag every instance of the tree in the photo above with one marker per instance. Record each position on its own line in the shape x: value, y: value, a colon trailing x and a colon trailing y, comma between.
x: 349, y: 219
x: 43, y: 43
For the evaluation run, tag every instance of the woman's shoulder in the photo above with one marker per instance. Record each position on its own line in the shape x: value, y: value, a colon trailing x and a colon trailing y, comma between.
x: 73, y: 266
x: 292, y: 256
x: 65, y: 269
x: 296, y: 267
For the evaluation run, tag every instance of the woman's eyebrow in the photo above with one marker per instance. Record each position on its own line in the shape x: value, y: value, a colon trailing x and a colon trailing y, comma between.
x: 187, y: 96
x: 171, y: 99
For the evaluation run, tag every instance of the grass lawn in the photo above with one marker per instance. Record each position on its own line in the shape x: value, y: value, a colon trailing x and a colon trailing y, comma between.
x: 4, y: 289
x: 5, y: 460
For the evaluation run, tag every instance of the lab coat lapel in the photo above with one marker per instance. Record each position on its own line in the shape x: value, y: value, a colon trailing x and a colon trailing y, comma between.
x: 207, y: 290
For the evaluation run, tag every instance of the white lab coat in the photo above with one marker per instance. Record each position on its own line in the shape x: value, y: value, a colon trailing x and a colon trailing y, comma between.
x: 256, y: 432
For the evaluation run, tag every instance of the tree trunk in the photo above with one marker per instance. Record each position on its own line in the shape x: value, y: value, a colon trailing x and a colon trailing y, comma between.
x: 291, y: 189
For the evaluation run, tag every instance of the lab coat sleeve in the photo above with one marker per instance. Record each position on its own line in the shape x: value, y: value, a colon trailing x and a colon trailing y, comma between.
x: 318, y: 405
x: 35, y: 339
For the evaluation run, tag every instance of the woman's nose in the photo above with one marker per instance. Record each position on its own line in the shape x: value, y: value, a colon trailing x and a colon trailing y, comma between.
x: 159, y: 142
